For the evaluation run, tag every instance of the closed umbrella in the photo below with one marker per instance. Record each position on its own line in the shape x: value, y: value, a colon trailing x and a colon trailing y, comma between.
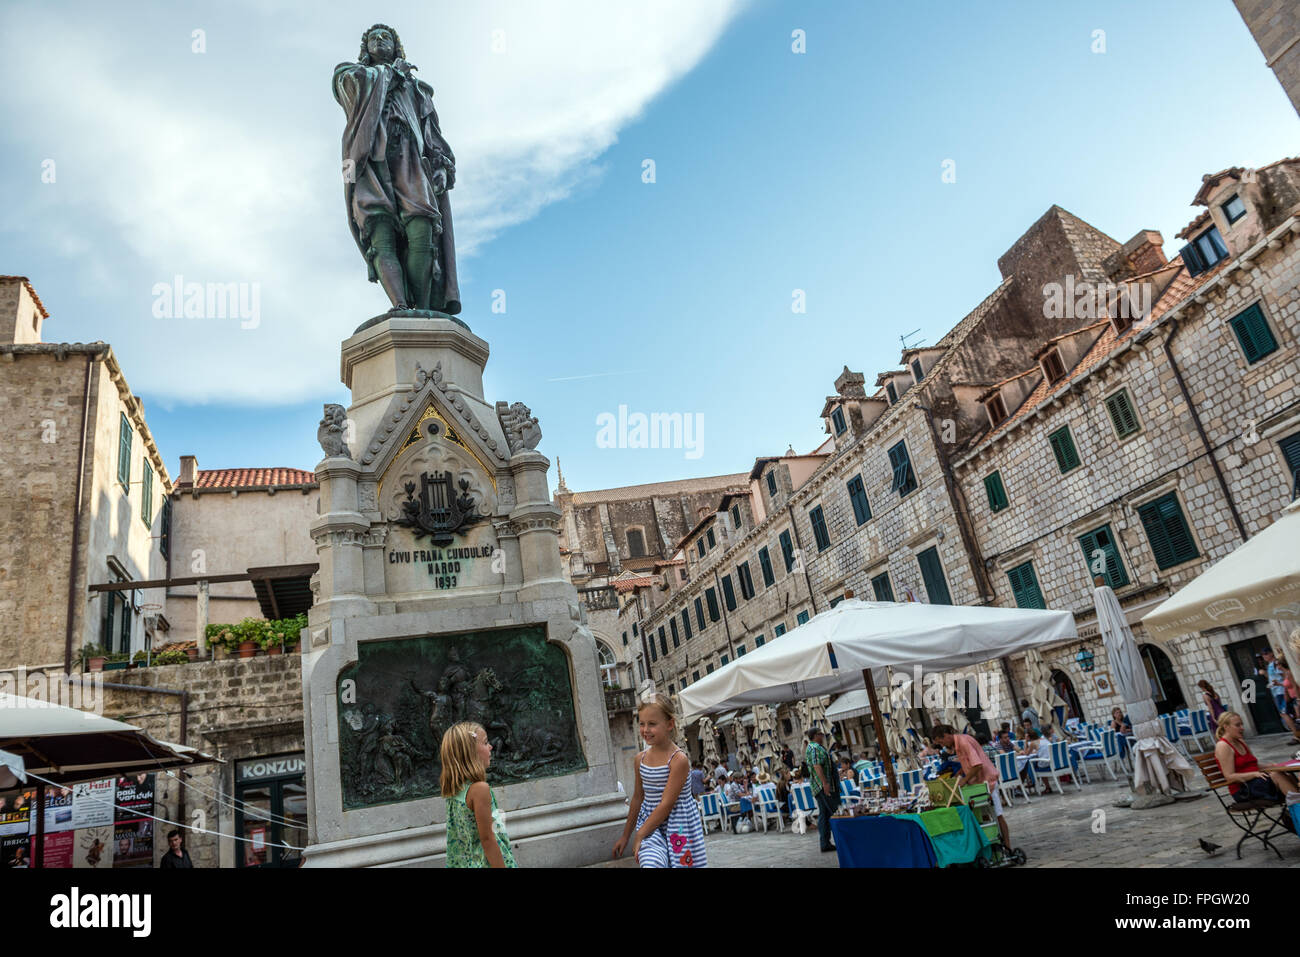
x: 898, y: 725
x: 1157, y: 764
x: 1042, y: 696
x: 709, y: 743
x: 765, y: 735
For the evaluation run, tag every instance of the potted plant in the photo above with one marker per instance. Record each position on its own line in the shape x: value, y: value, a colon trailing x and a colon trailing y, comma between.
x: 117, y: 661
x: 92, y: 657
x: 250, y: 635
x: 171, y: 656
x: 140, y: 659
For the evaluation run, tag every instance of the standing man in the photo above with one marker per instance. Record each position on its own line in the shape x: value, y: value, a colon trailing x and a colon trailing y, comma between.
x: 825, y: 785
x: 976, y: 768
x: 176, y: 855
x: 1029, y: 714
x: 697, y: 780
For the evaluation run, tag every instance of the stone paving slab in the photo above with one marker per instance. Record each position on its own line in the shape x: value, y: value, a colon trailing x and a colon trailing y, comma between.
x: 1080, y: 828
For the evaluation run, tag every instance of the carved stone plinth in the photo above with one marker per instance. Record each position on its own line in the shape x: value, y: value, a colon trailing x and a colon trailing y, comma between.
x: 441, y: 597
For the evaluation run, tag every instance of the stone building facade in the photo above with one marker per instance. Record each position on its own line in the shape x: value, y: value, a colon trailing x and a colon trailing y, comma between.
x: 87, y: 495
x: 899, y: 507
x: 1181, y: 434
x: 1275, y: 25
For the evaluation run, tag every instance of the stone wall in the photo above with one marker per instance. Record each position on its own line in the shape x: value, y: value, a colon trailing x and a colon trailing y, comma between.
x: 1275, y: 25
x: 238, y: 709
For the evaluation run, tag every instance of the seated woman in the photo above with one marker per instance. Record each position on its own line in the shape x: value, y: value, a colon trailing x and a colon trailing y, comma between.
x: 846, y: 771
x: 1239, y: 765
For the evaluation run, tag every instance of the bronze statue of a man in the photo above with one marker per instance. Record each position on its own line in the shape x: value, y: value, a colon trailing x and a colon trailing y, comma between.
x: 397, y: 169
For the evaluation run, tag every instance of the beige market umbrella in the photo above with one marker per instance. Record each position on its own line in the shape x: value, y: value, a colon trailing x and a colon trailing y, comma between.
x: 709, y: 742
x: 765, y: 735
x: 1260, y: 579
x: 1157, y: 764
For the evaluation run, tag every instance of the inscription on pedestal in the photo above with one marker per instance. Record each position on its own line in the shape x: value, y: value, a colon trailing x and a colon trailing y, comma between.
x: 399, y: 698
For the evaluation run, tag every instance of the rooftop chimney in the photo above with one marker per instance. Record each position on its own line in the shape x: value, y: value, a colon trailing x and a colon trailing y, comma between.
x: 189, y: 471
x: 21, y: 312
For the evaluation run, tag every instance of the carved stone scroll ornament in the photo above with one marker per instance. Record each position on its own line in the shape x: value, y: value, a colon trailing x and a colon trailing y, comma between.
x: 520, y: 426
x: 332, y: 433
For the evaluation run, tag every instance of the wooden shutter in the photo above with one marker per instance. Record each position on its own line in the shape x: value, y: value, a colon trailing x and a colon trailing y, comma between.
x: 1254, y: 334
x: 996, y: 492
x: 1024, y: 586
x: 1122, y: 414
x: 1167, y: 530
x: 1063, y: 448
x: 932, y: 572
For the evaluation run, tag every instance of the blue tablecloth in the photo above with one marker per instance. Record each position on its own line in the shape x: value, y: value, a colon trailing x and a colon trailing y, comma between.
x: 881, y: 841
x: 887, y: 840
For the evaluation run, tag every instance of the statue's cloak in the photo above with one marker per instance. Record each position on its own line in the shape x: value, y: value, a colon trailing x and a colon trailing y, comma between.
x: 361, y: 90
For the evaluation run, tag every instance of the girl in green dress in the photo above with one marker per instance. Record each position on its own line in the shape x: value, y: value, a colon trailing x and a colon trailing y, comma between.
x: 476, y: 833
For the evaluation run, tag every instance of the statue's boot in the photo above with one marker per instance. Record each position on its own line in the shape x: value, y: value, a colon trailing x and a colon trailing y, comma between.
x: 388, y: 267
x: 421, y: 261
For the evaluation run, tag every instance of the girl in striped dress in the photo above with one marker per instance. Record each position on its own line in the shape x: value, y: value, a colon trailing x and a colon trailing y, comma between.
x: 669, y: 832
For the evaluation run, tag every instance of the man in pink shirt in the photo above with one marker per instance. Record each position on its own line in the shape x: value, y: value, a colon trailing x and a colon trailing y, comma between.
x: 976, y: 768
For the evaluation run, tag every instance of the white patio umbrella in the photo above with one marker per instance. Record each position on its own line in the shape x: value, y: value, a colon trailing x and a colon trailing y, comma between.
x: 1260, y: 579
x: 1155, y: 760
x: 852, y: 644
x: 765, y: 735
x: 898, y: 724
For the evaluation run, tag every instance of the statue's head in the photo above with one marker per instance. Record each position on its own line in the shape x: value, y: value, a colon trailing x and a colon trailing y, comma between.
x: 380, y: 44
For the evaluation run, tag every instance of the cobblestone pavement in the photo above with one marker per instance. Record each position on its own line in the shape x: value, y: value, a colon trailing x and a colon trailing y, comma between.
x: 1056, y: 830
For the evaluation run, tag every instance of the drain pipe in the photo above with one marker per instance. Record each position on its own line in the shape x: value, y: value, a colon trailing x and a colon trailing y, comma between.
x: 76, y: 517
x: 1196, y: 419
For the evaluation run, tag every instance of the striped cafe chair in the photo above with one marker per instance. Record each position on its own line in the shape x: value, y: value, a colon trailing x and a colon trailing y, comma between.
x: 1055, y: 767
x: 711, y: 811
x: 767, y: 808
x: 1008, y: 779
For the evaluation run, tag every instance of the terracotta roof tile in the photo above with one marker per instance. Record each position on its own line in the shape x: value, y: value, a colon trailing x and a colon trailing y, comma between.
x: 627, y: 584
x: 253, y: 478
x: 1178, y: 290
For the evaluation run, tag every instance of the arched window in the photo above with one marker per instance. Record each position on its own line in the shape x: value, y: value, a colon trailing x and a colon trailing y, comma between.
x: 608, y: 665
x: 636, y: 542
x: 1062, y: 685
x: 1164, y: 683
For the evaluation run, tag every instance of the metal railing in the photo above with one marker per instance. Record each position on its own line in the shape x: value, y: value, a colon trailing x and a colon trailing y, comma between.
x: 620, y: 699
x: 599, y: 599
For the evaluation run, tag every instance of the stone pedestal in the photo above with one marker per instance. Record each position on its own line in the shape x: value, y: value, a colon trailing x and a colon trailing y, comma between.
x: 441, y: 597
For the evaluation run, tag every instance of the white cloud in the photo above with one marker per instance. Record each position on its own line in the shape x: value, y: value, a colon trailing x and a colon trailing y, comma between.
x: 223, y: 166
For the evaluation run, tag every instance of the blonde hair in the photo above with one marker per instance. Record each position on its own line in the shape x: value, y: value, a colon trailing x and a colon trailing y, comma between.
x: 1222, y: 724
x: 661, y: 702
x: 461, y: 763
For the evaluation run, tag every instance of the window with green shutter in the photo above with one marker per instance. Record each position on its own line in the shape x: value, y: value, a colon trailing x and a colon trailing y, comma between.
x: 801, y: 618
x: 1122, y: 414
x: 165, y: 537
x: 1290, y: 449
x: 1167, y: 531
x: 124, y: 434
x: 699, y: 614
x: 787, y: 551
x: 672, y: 622
x: 758, y: 641
x: 778, y: 631
x: 883, y: 590
x: 997, y: 494
x: 1102, y: 556
x: 1063, y: 448
x: 901, y: 466
x: 818, y: 521
x: 1024, y: 586
x: 686, y: 624
x: 1253, y: 333
x: 765, y: 563
x: 728, y: 593
x: 146, y: 495
x: 936, y: 586
x: 858, y: 496
x: 711, y: 597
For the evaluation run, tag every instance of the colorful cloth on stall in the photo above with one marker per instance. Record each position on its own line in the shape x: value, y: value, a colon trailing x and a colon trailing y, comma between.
x: 941, y: 821
x: 961, y: 846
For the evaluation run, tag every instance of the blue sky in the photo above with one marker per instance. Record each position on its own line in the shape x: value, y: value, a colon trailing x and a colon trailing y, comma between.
x: 774, y: 172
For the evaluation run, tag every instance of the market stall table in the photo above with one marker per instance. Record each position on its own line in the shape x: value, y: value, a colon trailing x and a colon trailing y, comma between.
x: 934, y: 838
